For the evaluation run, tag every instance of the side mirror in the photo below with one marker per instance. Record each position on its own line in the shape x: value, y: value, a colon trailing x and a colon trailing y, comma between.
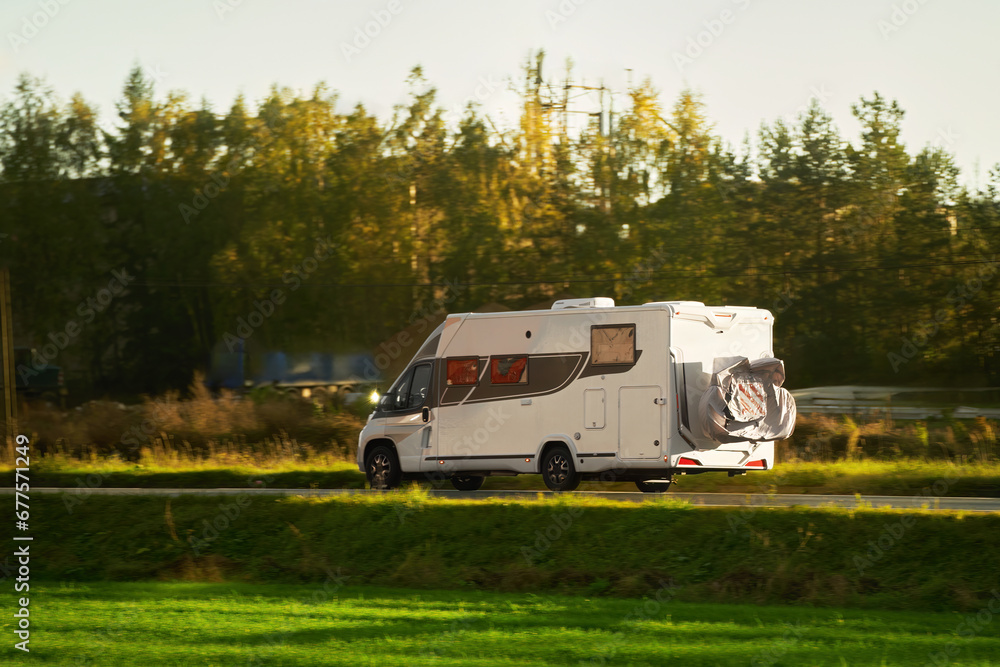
x: 425, y: 414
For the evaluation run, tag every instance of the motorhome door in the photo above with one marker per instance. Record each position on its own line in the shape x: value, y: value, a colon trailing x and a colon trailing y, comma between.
x: 639, y: 422
x: 409, y: 421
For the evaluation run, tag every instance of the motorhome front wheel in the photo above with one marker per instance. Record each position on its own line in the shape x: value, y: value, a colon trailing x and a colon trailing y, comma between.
x: 383, y: 468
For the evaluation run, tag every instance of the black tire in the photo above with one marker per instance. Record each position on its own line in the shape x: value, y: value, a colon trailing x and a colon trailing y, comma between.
x: 382, y: 468
x: 558, y: 470
x: 467, y: 482
x: 654, y: 487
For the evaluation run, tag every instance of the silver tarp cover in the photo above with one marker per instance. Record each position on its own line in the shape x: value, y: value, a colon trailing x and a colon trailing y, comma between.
x: 746, y: 402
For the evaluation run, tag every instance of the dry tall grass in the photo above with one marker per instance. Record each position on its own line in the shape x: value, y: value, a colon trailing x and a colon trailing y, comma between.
x: 840, y: 437
x: 262, y: 427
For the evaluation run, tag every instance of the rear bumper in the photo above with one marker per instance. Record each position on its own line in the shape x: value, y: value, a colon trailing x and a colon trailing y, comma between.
x: 753, y: 457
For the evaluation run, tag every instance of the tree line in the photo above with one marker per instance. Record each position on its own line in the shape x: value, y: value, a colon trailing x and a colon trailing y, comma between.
x: 878, y: 263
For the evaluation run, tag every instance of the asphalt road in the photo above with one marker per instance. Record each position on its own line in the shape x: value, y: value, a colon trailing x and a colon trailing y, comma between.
x: 698, y: 499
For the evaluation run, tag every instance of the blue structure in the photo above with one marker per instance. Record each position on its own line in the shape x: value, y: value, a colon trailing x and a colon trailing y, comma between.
x: 242, y: 369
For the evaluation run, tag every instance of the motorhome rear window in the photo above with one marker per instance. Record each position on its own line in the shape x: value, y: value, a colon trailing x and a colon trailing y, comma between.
x: 509, y: 370
x: 463, y: 371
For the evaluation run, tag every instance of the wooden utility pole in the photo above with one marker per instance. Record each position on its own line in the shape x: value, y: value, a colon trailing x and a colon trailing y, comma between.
x: 7, y: 356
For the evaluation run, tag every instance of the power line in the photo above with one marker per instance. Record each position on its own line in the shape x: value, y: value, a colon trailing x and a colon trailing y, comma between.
x: 636, y: 275
x: 944, y: 234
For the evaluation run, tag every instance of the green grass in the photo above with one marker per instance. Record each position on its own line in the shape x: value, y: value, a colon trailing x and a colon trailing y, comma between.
x: 328, y: 624
x: 291, y: 474
x: 569, y: 544
x: 904, y: 477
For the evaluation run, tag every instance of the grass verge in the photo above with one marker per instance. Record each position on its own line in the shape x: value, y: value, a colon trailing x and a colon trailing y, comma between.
x: 333, y: 624
x: 863, y: 558
x: 906, y: 477
x: 333, y: 474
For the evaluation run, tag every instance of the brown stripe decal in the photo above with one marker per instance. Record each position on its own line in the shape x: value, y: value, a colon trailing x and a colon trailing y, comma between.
x: 547, y: 374
x: 609, y: 369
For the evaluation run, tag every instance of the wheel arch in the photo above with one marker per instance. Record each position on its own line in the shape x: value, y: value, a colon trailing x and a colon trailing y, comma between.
x: 375, y: 442
x: 548, y: 444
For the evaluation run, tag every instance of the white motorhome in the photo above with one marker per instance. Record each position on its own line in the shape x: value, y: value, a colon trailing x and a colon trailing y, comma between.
x: 584, y: 391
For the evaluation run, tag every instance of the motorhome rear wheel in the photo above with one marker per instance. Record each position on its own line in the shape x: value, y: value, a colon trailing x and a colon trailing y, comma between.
x: 654, y: 487
x: 558, y: 470
x: 467, y: 482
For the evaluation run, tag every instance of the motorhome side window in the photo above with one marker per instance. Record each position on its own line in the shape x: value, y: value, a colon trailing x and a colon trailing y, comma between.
x: 509, y: 370
x: 612, y: 344
x: 420, y: 386
x: 463, y: 371
x: 412, y: 390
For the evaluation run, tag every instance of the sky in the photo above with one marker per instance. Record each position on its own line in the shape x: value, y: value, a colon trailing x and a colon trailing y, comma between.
x: 753, y: 61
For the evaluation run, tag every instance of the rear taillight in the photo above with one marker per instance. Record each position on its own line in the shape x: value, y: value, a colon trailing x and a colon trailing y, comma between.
x: 685, y: 461
x: 759, y: 463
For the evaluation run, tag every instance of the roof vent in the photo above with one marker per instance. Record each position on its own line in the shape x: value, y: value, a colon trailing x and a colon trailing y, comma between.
x: 699, y: 304
x: 594, y: 302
